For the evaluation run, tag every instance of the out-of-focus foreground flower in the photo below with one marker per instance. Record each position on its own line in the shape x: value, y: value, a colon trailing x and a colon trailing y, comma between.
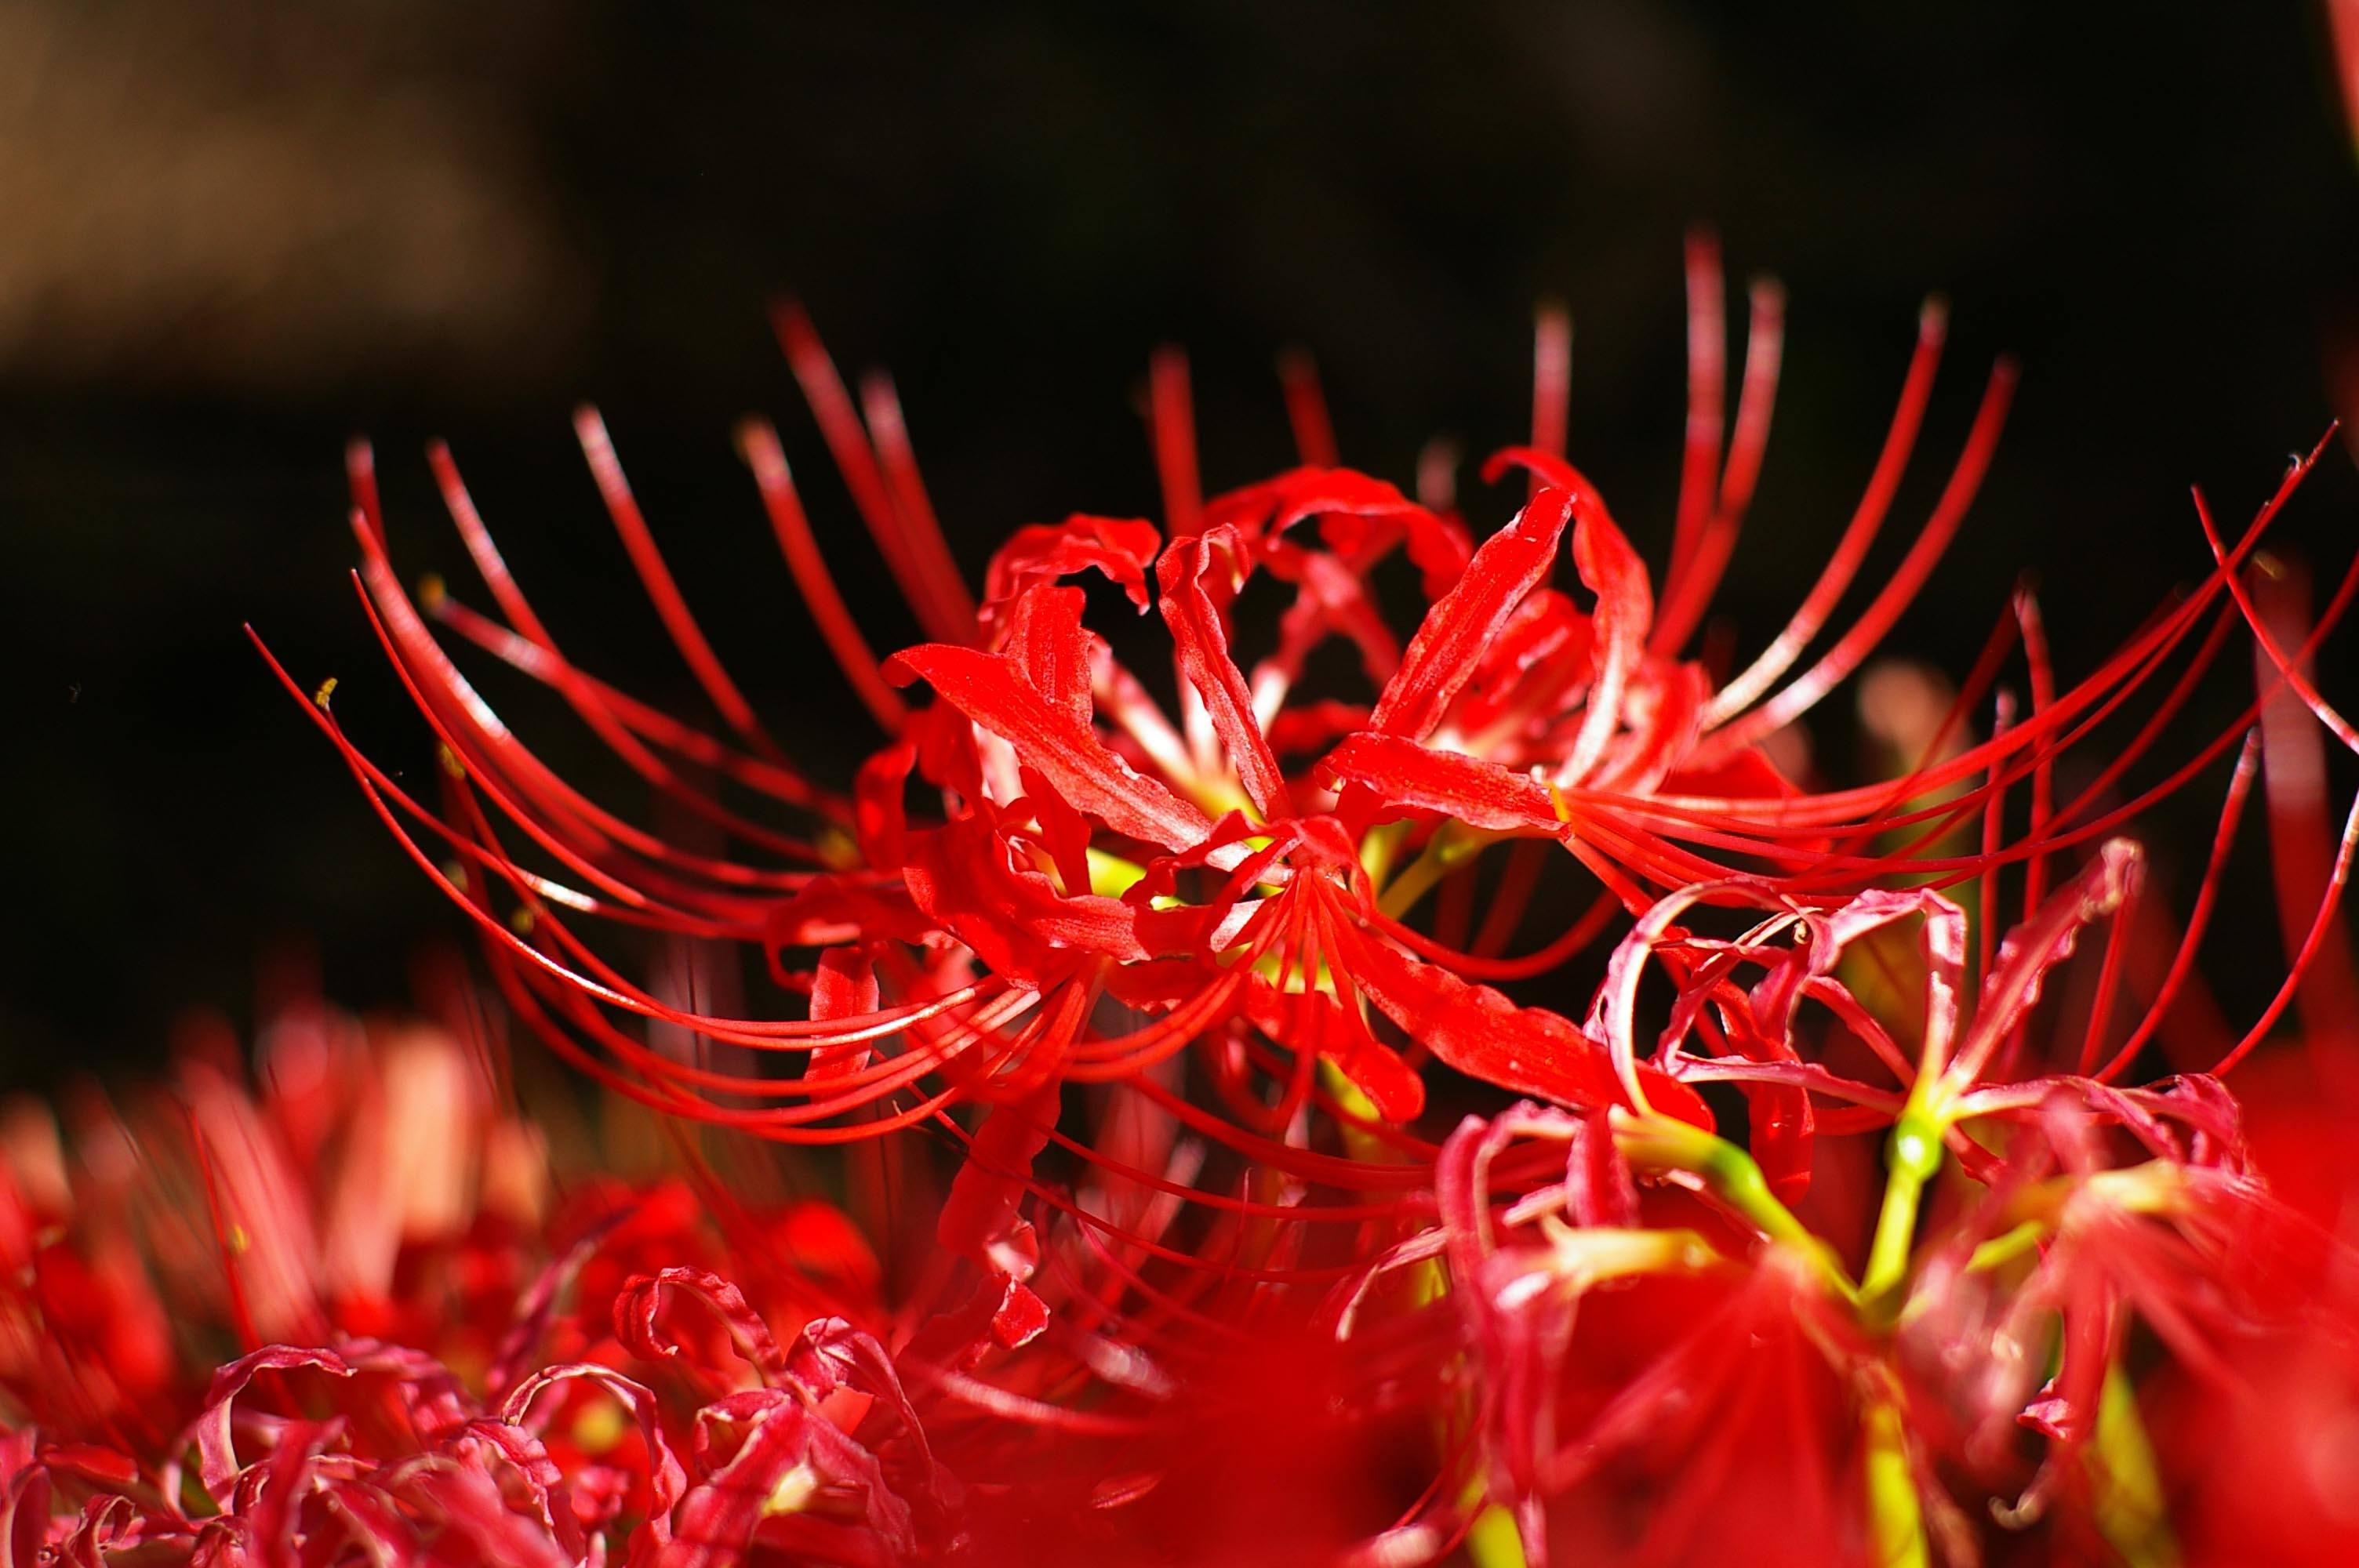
x: 1114, y: 1012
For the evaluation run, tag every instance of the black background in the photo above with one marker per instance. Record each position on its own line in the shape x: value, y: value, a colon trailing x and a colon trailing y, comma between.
x: 236, y: 233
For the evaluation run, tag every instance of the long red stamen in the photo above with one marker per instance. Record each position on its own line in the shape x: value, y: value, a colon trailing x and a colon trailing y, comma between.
x: 1687, y: 595
x: 856, y: 459
x: 2043, y: 775
x: 1551, y: 385
x: 1172, y: 424
x: 1306, y: 410
x: 943, y: 595
x: 760, y: 443
x: 2294, y: 776
x: 648, y: 562
x: 1900, y: 438
x: 1707, y: 401
x: 1949, y: 511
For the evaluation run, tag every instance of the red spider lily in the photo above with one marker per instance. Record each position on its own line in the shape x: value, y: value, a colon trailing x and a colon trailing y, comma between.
x: 686, y: 1447
x: 2101, y: 1224
x: 364, y: 1451
x: 376, y: 1184
x: 1635, y: 1369
x: 1089, y: 850
x: 1189, y: 964
x: 2089, y: 1227
x: 653, y: 1431
x: 1619, y: 1352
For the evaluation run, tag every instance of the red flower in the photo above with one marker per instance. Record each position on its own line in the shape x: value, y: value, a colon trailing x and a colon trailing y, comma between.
x: 1171, y: 978
x: 1086, y: 846
x: 1768, y: 1383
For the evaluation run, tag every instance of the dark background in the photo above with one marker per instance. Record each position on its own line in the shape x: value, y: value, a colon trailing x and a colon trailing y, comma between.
x: 231, y: 234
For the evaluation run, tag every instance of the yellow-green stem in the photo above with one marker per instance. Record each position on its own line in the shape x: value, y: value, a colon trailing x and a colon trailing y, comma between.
x: 2126, y: 1482
x: 1450, y: 847
x: 1895, y: 1514
x: 1911, y: 1158
x: 1494, y: 1542
x: 1652, y: 1141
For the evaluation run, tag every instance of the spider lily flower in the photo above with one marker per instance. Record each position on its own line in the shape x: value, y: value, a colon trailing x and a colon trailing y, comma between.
x: 2021, y: 1310
x: 558, y: 1346
x: 1047, y: 878
x: 370, y: 1182
x: 1171, y: 977
x: 471, y: 1291
x: 2080, y: 1212
x: 2253, y: 1443
x: 1981, y: 1064
x: 1618, y: 1355
x: 365, y: 1450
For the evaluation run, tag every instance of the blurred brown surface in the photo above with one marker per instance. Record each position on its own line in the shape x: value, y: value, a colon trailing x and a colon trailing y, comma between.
x: 269, y: 196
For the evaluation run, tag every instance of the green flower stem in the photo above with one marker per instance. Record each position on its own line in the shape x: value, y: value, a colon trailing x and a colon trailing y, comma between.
x: 1911, y: 1158
x: 2128, y: 1484
x: 1494, y: 1542
x: 1450, y: 847
x: 1358, y: 1142
x: 2006, y: 1247
x: 1652, y: 1141
x: 1896, y: 1515
x: 1381, y: 848
x: 2152, y: 1187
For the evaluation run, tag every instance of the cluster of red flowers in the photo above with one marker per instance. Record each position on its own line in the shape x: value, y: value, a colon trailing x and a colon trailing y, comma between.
x: 1130, y: 1018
